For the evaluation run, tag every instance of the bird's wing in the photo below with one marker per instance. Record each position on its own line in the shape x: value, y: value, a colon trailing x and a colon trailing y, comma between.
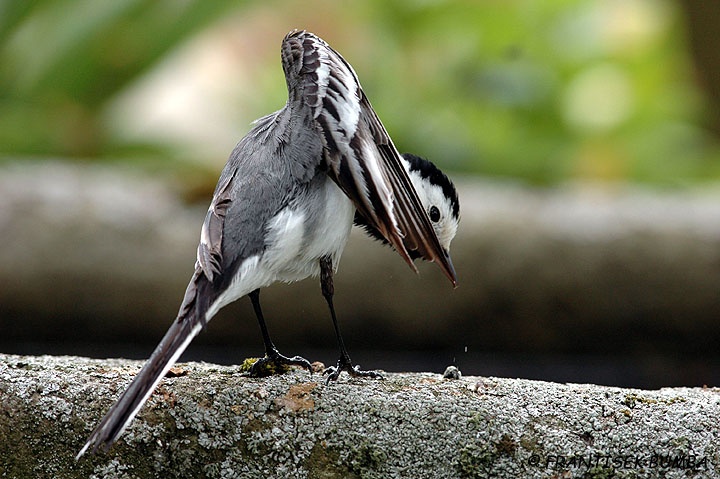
x: 209, y: 251
x: 361, y: 157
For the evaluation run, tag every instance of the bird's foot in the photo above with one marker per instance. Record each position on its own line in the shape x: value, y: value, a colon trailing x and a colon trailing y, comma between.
x: 344, y: 364
x: 275, y: 363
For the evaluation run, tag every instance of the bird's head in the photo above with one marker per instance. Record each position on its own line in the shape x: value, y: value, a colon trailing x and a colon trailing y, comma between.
x: 437, y: 195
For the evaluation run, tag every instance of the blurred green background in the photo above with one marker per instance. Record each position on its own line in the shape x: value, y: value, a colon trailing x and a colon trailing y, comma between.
x: 541, y: 96
x: 540, y: 91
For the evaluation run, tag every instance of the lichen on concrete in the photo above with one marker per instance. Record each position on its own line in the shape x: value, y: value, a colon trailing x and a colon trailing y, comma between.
x: 215, y: 422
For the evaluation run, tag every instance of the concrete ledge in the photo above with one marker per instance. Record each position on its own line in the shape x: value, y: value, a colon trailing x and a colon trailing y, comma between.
x: 210, y: 421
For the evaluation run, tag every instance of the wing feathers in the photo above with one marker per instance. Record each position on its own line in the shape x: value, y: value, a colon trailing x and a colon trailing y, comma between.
x: 209, y: 252
x: 359, y: 152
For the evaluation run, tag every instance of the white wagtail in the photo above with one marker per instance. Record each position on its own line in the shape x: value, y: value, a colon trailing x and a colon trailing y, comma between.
x: 284, y: 206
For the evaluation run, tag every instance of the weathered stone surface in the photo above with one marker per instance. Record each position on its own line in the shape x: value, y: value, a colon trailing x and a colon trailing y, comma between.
x: 210, y: 421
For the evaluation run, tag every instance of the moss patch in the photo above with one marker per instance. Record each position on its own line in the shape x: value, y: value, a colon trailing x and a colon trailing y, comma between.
x: 324, y: 463
x: 266, y: 369
x: 366, y: 458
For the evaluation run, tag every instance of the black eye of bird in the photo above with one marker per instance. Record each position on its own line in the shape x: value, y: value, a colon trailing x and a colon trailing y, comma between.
x: 434, y: 214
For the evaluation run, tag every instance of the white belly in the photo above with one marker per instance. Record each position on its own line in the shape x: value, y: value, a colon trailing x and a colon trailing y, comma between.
x: 294, y: 250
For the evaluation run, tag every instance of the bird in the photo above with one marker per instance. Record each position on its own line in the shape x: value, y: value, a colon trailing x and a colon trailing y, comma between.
x: 283, y: 208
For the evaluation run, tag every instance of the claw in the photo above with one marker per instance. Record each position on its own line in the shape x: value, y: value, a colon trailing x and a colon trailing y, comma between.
x: 344, y: 364
x: 276, y: 363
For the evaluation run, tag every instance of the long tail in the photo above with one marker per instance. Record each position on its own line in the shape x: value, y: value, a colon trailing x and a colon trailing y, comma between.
x: 188, y: 324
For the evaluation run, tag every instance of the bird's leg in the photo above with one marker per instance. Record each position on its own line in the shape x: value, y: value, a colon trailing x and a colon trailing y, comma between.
x: 273, y: 360
x: 344, y: 363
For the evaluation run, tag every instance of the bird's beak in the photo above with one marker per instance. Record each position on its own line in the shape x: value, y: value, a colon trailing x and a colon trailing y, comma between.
x: 448, y: 268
